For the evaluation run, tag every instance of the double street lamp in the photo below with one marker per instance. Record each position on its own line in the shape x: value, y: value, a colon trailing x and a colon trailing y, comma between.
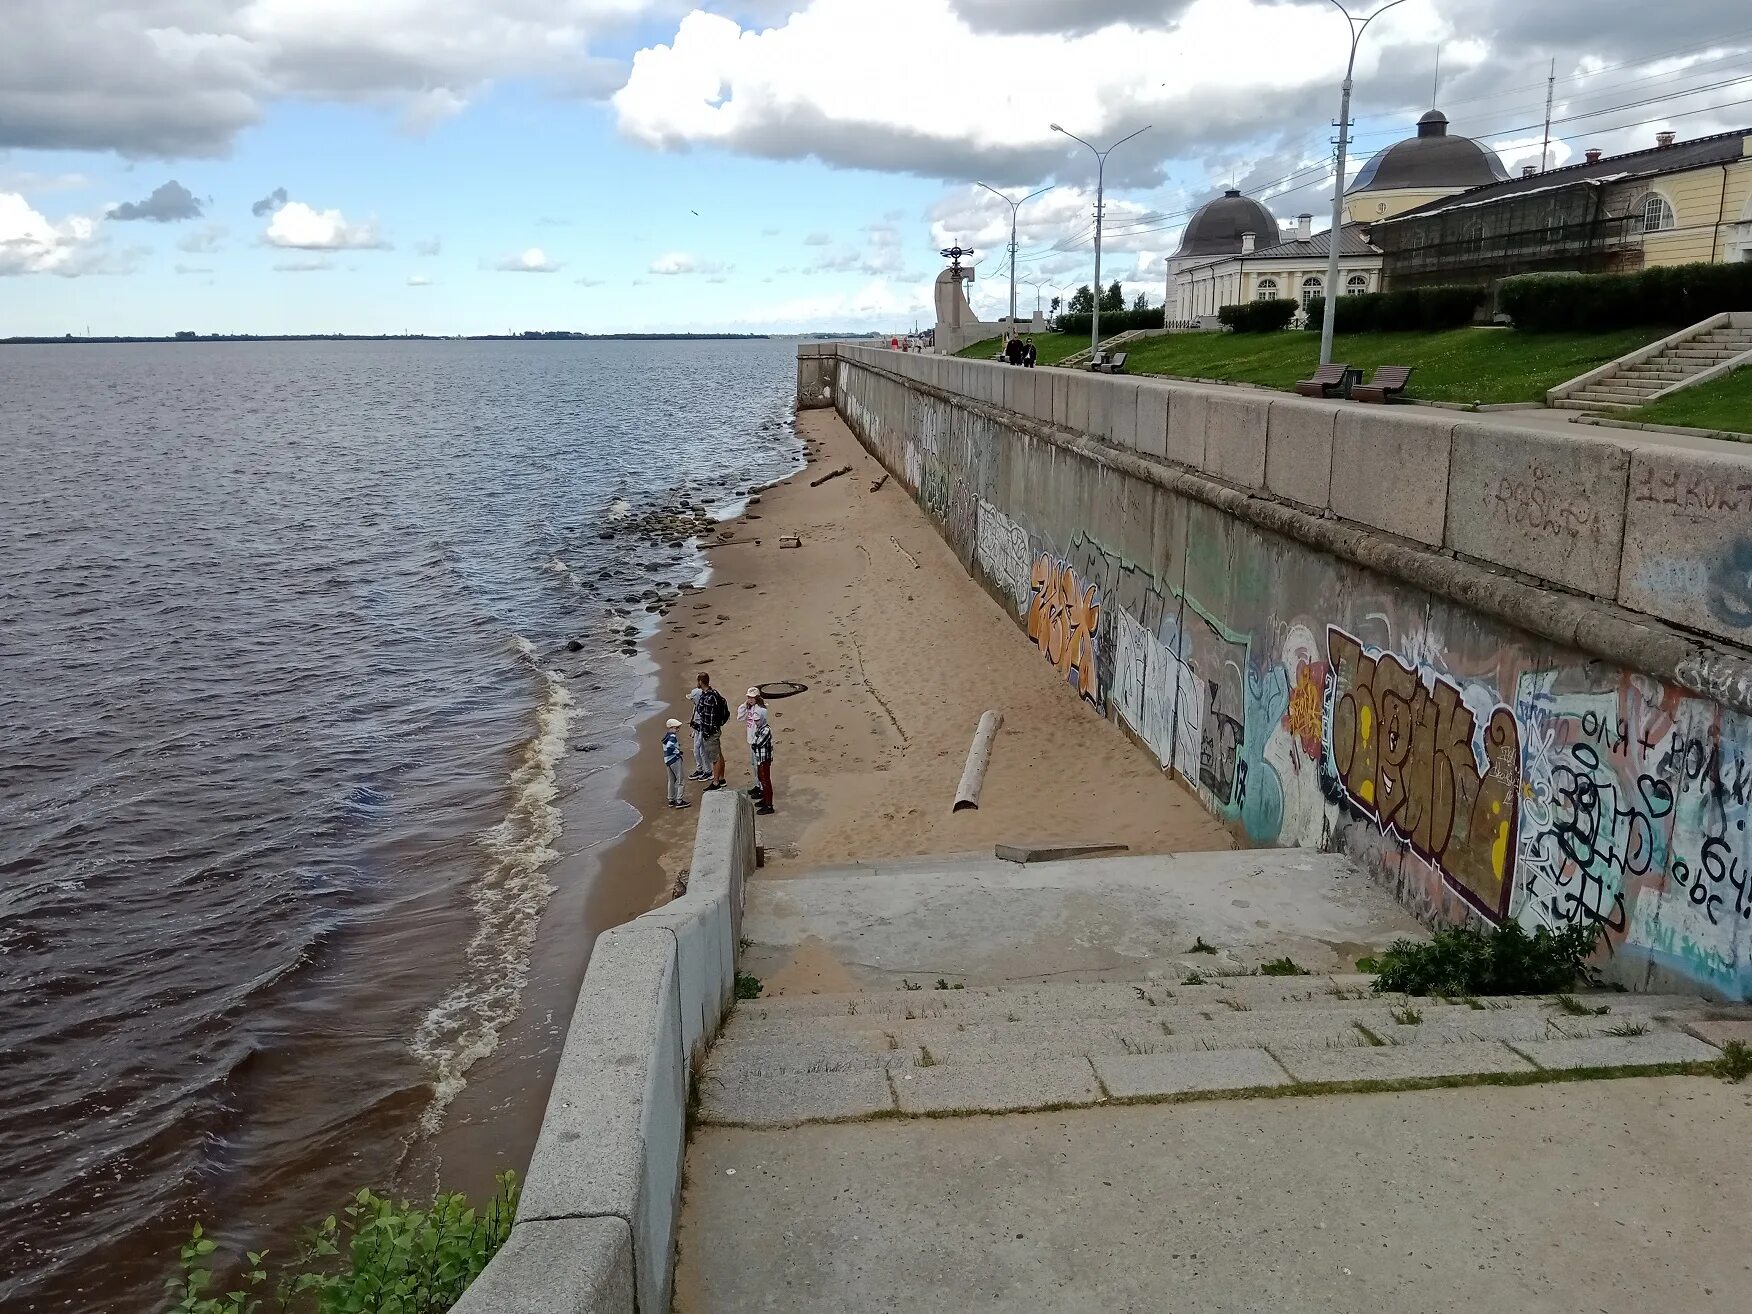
x: 1357, y: 28
x: 1014, y: 206
x: 1100, y: 167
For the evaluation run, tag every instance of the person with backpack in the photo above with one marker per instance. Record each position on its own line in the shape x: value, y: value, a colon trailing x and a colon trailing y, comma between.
x: 710, y: 714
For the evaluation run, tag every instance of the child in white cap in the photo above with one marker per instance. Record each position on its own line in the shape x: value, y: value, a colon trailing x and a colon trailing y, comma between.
x: 753, y: 714
x: 672, y: 761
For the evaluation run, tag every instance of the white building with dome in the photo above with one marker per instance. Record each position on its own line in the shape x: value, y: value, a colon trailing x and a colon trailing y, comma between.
x: 1234, y: 250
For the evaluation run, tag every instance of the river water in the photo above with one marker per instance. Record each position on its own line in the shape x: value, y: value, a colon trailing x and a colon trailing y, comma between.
x: 294, y: 754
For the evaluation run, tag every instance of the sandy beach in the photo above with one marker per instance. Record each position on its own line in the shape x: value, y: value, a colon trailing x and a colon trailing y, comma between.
x: 901, y: 652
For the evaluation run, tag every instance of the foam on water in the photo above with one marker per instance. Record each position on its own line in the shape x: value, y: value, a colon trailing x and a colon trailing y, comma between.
x: 508, y: 897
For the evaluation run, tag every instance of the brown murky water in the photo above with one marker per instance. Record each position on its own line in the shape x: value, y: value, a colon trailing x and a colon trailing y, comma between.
x: 302, y: 791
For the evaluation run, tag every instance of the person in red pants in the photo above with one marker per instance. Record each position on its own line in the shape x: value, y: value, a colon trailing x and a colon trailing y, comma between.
x: 753, y: 714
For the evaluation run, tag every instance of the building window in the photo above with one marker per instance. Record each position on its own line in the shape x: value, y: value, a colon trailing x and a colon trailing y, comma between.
x: 1356, y: 285
x: 1311, y: 287
x: 1652, y: 214
x: 1265, y: 290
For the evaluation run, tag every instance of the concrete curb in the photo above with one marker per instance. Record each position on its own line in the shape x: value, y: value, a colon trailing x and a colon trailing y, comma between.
x: 1684, y: 431
x: 595, y: 1228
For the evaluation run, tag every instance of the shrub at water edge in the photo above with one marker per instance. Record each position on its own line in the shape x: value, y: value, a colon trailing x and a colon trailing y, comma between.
x: 380, y: 1255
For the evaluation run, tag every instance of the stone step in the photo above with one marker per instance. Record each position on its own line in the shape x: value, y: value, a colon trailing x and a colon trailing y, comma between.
x: 1576, y: 402
x: 1005, y: 1081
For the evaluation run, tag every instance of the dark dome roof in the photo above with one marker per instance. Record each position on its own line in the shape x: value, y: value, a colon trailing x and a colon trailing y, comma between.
x: 1430, y: 159
x: 1217, y: 227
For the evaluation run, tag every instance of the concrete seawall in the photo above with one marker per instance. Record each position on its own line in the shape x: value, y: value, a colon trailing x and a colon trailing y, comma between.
x: 1505, y: 669
x: 595, y: 1228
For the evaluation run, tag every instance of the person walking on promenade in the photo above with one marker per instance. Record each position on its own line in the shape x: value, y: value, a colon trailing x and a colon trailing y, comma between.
x: 1028, y: 353
x: 753, y: 714
x: 709, y: 715
x: 672, y: 762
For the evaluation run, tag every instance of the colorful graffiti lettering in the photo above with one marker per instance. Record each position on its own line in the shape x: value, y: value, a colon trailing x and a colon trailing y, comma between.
x: 1403, y: 744
x: 1063, y: 617
x: 1306, y: 719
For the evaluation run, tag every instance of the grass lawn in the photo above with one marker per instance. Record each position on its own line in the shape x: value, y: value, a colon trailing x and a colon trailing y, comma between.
x: 1482, y: 365
x: 1049, y: 348
x: 1720, y: 404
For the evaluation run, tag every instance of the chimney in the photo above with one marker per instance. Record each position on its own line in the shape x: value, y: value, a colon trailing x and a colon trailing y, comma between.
x: 1592, y: 156
x: 1246, y: 243
x: 1528, y: 170
x: 1304, y: 227
x: 1664, y: 138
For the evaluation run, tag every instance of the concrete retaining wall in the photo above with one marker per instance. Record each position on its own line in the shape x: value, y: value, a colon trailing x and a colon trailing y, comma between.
x: 595, y: 1228
x: 1505, y: 670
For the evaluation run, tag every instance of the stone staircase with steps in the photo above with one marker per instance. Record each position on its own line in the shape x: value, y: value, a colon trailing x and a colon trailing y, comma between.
x: 1679, y: 362
x: 1080, y: 360
x: 1012, y: 1048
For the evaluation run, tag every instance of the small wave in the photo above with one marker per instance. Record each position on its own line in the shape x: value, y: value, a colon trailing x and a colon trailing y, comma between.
x: 464, y: 1026
x: 619, y: 509
x: 525, y: 650
x: 558, y: 567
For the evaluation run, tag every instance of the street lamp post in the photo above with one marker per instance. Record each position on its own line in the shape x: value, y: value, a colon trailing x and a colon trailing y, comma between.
x: 1330, y: 318
x: 1014, y: 206
x: 1100, y: 168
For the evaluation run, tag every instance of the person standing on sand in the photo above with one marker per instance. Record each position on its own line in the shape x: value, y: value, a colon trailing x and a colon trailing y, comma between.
x: 753, y: 714
x: 709, y: 714
x: 672, y: 762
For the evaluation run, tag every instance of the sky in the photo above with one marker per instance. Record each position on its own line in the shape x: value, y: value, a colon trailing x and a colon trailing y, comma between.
x: 480, y: 166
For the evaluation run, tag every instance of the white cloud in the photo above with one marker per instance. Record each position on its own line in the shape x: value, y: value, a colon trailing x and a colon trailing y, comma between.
x: 182, y: 77
x: 203, y: 241
x: 419, y: 280
x: 673, y: 263
x: 531, y: 261
x: 32, y: 244
x: 818, y: 239
x: 312, y: 265
x: 587, y: 281
x: 430, y: 246
x: 181, y: 268
x: 300, y: 227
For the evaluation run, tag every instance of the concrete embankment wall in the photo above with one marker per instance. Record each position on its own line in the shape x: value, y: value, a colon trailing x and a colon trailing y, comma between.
x: 1504, y: 669
x: 595, y: 1228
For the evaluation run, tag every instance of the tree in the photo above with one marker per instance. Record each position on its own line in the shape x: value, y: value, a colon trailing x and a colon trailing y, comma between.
x: 1055, y: 305
x: 1114, y: 298
x: 1083, y: 301
x: 1142, y: 302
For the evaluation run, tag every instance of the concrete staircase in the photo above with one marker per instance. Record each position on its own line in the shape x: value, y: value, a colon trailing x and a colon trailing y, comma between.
x: 1080, y: 360
x: 1678, y: 362
x: 814, y: 1058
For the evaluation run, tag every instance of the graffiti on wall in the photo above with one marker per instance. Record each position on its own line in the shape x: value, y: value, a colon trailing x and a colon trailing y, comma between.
x: 1001, y: 548
x: 1411, y: 755
x: 1064, y: 614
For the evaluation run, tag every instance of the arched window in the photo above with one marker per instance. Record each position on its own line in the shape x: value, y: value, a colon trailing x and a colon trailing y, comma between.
x: 1356, y: 285
x: 1311, y: 288
x: 1265, y: 289
x: 1652, y: 214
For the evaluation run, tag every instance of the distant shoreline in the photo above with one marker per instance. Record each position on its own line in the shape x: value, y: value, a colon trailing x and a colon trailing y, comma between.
x: 70, y: 341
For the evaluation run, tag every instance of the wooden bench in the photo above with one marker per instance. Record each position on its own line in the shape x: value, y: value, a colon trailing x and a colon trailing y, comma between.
x: 1114, y: 364
x: 1327, y: 380
x: 1389, y: 382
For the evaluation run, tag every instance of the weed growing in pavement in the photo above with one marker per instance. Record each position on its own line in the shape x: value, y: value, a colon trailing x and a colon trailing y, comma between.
x: 1735, y: 1063
x: 747, y: 987
x: 909, y: 985
x: 1193, y: 978
x: 1576, y: 1008
x: 1285, y: 966
x: 1200, y: 947
x: 1408, y: 1017
x: 1503, y: 960
x: 1628, y: 1029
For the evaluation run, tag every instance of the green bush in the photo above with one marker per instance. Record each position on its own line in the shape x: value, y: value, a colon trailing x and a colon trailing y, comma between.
x: 380, y: 1256
x: 1504, y: 960
x: 1407, y: 310
x: 1257, y: 316
x: 1667, y: 294
x: 1112, y: 321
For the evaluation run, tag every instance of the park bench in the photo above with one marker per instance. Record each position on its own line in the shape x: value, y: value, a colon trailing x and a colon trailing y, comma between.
x: 1114, y: 364
x: 1328, y: 380
x: 1389, y: 382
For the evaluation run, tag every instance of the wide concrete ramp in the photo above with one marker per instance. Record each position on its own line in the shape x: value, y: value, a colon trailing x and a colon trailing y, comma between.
x: 1618, y: 1197
x: 975, y: 919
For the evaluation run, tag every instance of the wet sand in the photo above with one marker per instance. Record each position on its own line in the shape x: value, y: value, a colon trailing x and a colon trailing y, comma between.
x: 900, y: 660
